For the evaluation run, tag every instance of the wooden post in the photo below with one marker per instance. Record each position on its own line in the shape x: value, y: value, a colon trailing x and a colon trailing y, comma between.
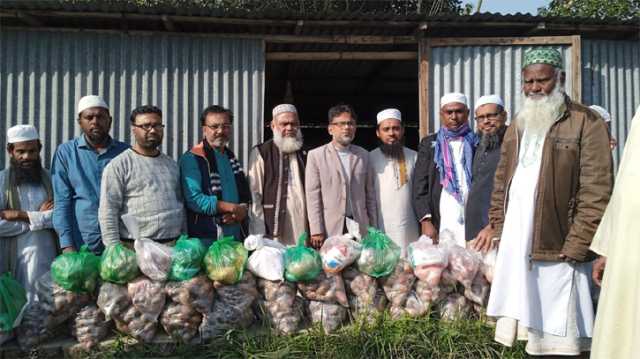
x: 424, y: 55
x: 576, y: 68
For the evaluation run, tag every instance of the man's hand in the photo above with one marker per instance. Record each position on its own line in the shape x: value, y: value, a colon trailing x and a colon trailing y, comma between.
x: 46, y: 206
x: 484, y: 240
x: 240, y: 212
x: 13, y: 215
x: 597, y: 272
x: 427, y: 228
x: 316, y: 240
x: 228, y: 218
x: 68, y: 250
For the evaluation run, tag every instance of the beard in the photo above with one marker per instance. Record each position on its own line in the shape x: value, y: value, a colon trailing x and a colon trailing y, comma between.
x: 219, y: 142
x: 393, y: 151
x: 26, y: 174
x: 493, y: 140
x: 538, y: 114
x: 344, y: 140
x: 288, y: 144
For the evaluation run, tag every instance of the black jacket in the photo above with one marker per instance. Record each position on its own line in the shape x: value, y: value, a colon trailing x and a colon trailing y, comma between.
x: 426, y: 183
x: 485, y: 162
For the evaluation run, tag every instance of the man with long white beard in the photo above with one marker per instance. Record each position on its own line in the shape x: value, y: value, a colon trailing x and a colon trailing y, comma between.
x: 28, y: 243
x: 391, y: 169
x: 551, y: 187
x: 276, y: 179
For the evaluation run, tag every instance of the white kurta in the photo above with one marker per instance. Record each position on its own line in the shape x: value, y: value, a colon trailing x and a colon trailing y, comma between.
x: 617, y: 328
x: 452, y: 211
x: 549, y: 299
x: 395, y: 215
x: 35, y: 244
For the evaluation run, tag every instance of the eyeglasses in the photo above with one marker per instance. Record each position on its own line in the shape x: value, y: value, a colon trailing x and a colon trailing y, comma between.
x: 149, y: 126
x: 489, y: 116
x: 222, y: 126
x: 344, y: 124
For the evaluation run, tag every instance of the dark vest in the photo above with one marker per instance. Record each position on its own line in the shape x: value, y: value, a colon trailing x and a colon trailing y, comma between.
x: 276, y: 177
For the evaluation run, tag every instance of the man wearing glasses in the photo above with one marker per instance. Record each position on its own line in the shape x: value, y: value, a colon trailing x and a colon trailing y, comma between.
x: 276, y: 177
x: 143, y: 183
x: 215, y: 188
x: 491, y: 119
x: 339, y: 193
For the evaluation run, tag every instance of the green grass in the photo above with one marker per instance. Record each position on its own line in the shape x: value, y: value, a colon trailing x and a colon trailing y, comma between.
x: 404, y: 338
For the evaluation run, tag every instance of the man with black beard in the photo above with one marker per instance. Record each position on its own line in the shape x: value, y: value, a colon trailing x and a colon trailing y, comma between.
x: 142, y: 183
x: 550, y: 191
x: 391, y: 170
x: 490, y: 119
x: 76, y: 172
x: 27, y: 243
x: 276, y: 178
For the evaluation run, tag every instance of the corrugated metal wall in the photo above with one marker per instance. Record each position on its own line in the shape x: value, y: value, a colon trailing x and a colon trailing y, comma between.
x: 611, y: 79
x: 44, y: 74
x: 480, y: 70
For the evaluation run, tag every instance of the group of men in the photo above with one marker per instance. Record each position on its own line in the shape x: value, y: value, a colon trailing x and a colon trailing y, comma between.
x: 536, y: 190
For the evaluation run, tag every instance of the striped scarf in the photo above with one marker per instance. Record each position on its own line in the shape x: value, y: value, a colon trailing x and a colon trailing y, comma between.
x: 214, y: 178
x: 444, y: 159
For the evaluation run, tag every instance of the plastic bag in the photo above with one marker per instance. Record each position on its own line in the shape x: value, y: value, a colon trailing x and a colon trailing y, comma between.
x: 397, y: 286
x: 328, y: 288
x: 154, y: 259
x: 33, y: 330
x: 331, y: 316
x: 113, y: 300
x: 339, y: 252
x: 137, y: 324
x: 379, y: 254
x: 428, y: 261
x: 454, y: 307
x: 301, y: 264
x: 186, y: 258
x: 76, y: 271
x: 225, y: 260
x: 118, y: 264
x: 59, y: 304
x: 366, y: 300
x: 283, y: 311
x: 478, y: 292
x: 147, y: 296
x: 12, y: 299
x: 196, y: 292
x: 267, y: 260
x: 90, y: 327
x: 463, y: 265
x: 181, y: 322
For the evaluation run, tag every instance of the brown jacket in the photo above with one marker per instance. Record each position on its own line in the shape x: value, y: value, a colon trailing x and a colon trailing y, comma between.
x: 574, y: 184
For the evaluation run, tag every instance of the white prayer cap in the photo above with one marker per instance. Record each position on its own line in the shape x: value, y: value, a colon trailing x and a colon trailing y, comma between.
x: 602, y: 111
x: 453, y: 97
x: 487, y: 99
x: 389, y: 113
x: 91, y: 101
x: 22, y: 133
x: 282, y: 108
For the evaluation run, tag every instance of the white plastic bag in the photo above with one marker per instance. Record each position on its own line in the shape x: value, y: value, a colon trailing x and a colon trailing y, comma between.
x: 339, y: 252
x: 427, y: 260
x: 267, y: 260
x: 154, y: 259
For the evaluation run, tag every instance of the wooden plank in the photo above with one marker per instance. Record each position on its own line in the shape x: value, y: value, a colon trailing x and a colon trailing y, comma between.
x: 501, y: 41
x: 423, y: 86
x: 576, y: 68
x: 339, y: 55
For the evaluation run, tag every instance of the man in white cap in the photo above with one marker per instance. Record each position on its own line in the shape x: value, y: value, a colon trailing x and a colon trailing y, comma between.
x: 276, y: 178
x: 442, y: 176
x: 76, y: 173
x: 606, y: 116
x: 490, y: 117
x: 216, y: 190
x: 550, y: 191
x: 391, y: 168
x: 339, y: 196
x: 28, y: 244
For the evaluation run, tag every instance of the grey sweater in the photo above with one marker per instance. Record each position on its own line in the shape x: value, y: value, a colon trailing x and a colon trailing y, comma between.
x: 147, y: 188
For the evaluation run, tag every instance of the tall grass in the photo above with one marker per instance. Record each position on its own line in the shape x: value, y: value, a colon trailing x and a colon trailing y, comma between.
x: 384, y: 338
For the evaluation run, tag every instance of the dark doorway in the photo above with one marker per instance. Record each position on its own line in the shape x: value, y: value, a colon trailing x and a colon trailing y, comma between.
x: 369, y: 86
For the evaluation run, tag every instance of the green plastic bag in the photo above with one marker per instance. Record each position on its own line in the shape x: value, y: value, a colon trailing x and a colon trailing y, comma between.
x: 301, y: 264
x: 186, y: 259
x: 379, y: 254
x: 76, y: 271
x: 225, y: 260
x: 12, y: 298
x: 118, y: 264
